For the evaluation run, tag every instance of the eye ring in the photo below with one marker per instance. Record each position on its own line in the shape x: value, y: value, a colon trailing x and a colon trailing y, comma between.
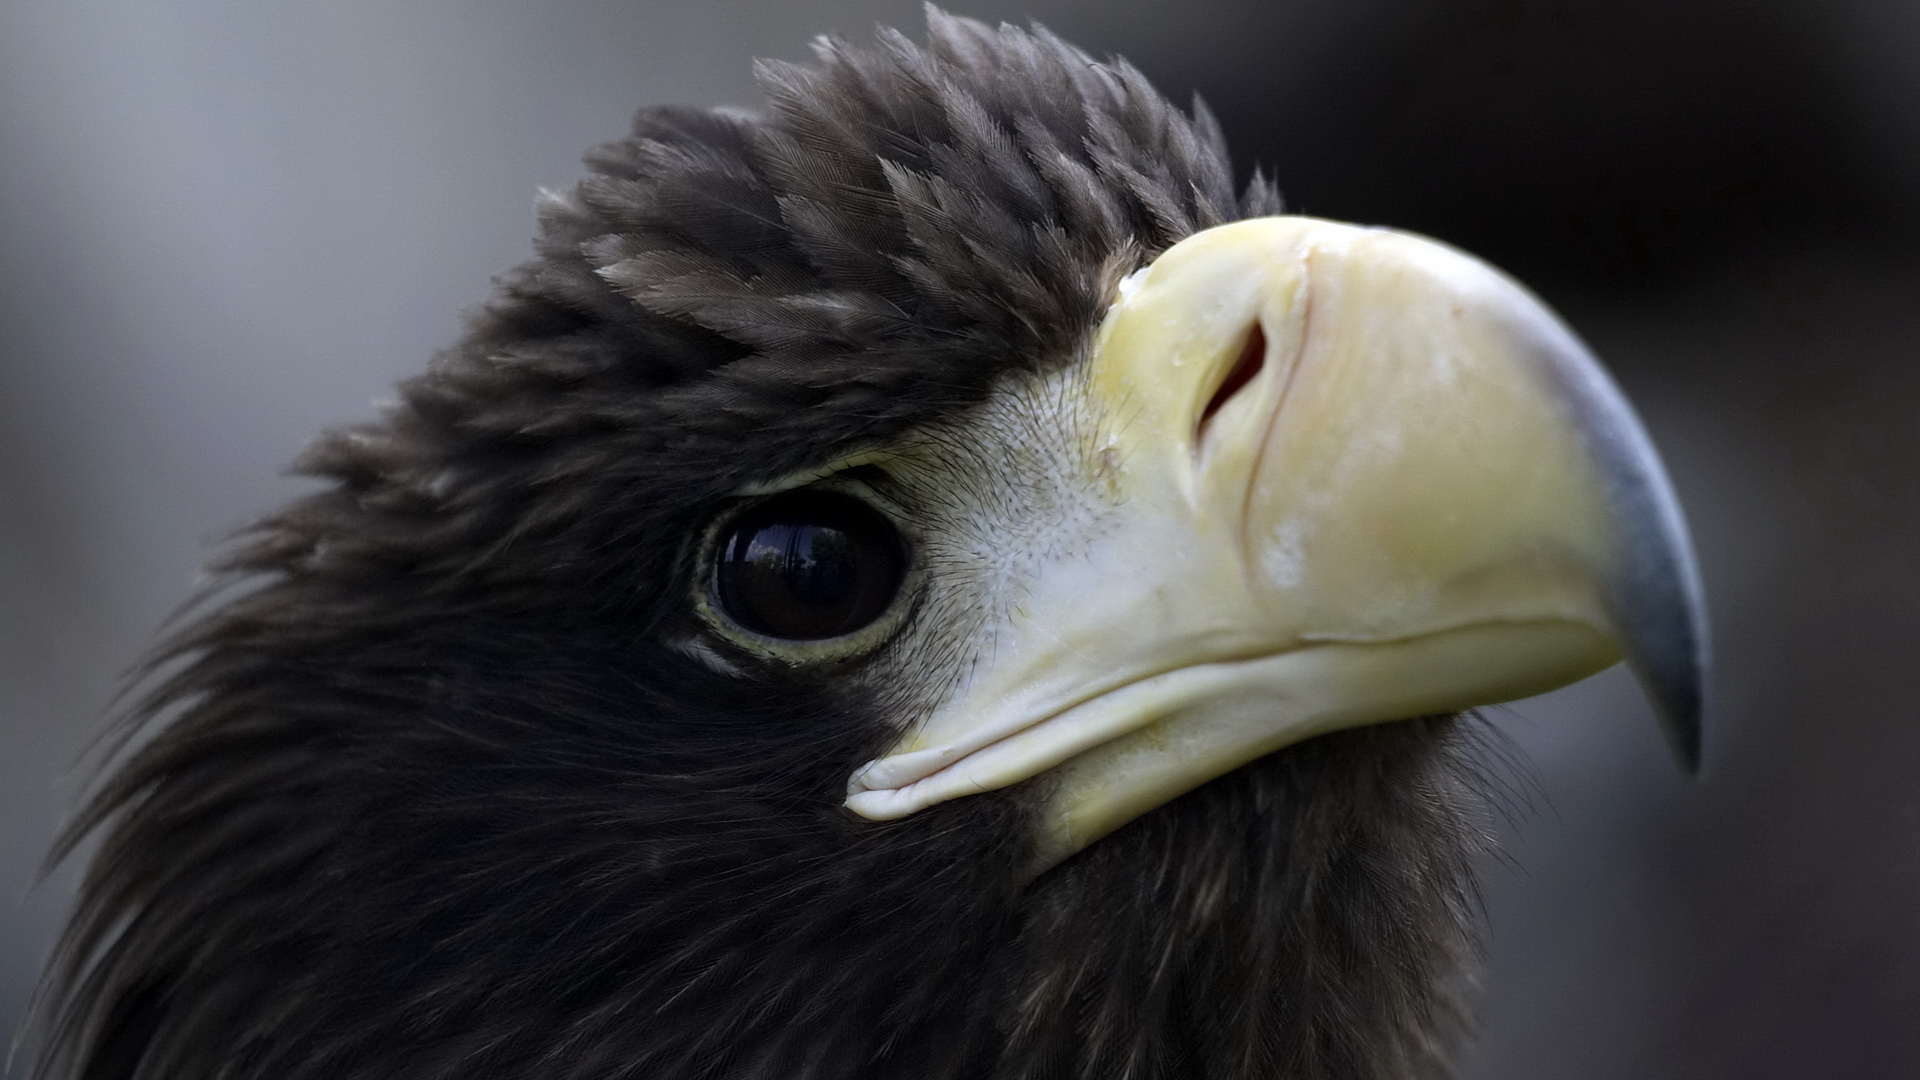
x: 805, y: 575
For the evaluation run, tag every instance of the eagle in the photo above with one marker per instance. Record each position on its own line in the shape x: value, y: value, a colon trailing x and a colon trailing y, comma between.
x: 928, y: 580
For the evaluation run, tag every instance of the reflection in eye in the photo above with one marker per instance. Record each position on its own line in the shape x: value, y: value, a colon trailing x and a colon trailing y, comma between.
x: 808, y: 565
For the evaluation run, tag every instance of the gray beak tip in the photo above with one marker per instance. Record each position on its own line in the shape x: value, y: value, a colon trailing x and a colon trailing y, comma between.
x: 1682, y: 708
x: 1674, y: 674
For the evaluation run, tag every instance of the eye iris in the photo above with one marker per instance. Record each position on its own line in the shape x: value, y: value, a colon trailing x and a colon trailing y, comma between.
x: 808, y: 565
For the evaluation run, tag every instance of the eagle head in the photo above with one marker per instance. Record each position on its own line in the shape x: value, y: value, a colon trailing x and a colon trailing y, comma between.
x: 927, y: 580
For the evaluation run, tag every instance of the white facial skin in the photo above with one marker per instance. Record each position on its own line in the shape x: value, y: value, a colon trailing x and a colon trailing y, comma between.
x: 1412, y: 507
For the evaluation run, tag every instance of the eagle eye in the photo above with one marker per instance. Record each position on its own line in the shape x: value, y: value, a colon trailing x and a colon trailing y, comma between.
x: 807, y: 565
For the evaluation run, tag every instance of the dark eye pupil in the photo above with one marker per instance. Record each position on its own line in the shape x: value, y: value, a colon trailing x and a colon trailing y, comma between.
x: 808, y: 565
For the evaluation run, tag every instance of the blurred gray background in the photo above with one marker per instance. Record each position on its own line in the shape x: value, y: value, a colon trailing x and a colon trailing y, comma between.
x: 226, y: 224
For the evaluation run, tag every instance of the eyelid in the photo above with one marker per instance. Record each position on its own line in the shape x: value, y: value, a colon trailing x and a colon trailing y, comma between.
x: 873, y: 484
x: 869, y: 474
x: 864, y: 474
x: 806, y: 477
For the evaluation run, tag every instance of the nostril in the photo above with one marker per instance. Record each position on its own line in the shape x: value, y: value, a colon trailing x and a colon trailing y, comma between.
x: 1253, y: 355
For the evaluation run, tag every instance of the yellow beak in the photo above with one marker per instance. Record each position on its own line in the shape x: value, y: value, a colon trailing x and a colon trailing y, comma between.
x: 1358, y: 477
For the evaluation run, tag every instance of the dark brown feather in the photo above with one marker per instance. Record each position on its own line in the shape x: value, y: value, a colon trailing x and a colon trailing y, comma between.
x: 427, y: 793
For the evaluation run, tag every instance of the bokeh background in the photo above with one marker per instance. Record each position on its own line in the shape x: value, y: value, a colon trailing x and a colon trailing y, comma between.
x: 226, y: 224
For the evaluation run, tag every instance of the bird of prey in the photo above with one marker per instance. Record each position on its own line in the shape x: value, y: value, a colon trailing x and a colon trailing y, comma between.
x: 931, y: 581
